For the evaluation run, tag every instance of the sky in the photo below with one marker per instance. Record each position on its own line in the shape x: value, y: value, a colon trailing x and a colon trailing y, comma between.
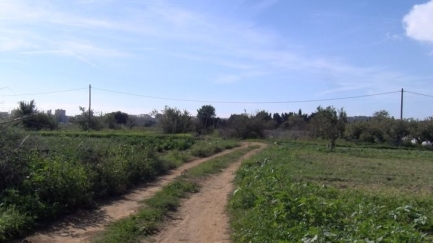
x: 237, y: 55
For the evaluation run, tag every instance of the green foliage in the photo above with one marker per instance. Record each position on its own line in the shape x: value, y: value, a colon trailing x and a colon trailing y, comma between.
x: 208, y: 148
x: 31, y: 119
x: 13, y: 162
x: 251, y: 125
x: 47, y: 176
x: 115, y: 119
x: 329, y: 123
x: 300, y: 193
x: 13, y: 223
x: 145, y: 222
x: 206, y: 116
x: 173, y: 121
x: 82, y: 120
x: 169, y: 198
x: 383, y: 129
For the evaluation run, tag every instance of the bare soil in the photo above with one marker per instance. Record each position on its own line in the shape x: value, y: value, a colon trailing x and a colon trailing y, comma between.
x: 203, y: 217
x: 81, y: 226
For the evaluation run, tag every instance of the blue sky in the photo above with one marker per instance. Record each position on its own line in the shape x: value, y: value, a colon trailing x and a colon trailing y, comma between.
x: 238, y: 50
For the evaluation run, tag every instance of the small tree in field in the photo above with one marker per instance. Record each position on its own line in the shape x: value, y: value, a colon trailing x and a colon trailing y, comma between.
x: 206, y: 115
x: 330, y: 123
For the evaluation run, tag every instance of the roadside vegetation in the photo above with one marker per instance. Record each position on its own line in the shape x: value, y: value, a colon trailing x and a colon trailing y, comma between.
x: 301, y: 192
x: 44, y: 176
x: 156, y: 209
x: 375, y: 181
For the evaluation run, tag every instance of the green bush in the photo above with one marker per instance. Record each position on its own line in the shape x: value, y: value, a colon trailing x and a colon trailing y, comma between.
x: 13, y: 222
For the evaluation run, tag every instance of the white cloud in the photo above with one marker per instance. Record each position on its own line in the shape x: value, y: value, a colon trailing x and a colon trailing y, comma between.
x: 419, y: 22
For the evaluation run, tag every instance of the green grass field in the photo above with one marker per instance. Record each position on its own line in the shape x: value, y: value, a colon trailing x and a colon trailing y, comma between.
x: 298, y: 192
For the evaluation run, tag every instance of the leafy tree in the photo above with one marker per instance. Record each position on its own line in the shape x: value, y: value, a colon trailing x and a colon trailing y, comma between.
x: 121, y: 117
x: 32, y: 119
x: 114, y: 119
x: 381, y: 115
x: 173, y: 120
x: 250, y: 125
x: 277, y: 118
x: 82, y: 120
x: 25, y: 109
x: 330, y: 123
x: 206, y: 116
x: 286, y: 116
x: 295, y: 123
x: 421, y: 130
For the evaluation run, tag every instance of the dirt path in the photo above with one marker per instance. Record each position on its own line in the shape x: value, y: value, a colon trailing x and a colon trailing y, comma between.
x: 80, y: 227
x: 202, y: 217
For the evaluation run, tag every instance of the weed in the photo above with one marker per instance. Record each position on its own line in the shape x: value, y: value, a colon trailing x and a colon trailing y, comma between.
x: 301, y: 193
x: 145, y: 222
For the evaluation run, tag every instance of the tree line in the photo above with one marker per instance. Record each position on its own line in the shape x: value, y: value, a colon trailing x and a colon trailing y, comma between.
x: 329, y: 123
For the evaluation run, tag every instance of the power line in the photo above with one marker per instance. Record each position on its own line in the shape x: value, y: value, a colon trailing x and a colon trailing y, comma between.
x: 431, y: 96
x: 43, y: 93
x: 245, y: 102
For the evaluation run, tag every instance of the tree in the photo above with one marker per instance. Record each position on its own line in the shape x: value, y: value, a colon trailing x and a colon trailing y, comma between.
x: 250, y: 125
x: 206, y: 115
x: 173, y: 120
x: 330, y: 123
x: 83, y: 122
x: 32, y: 119
x: 121, y: 117
x: 25, y: 109
x: 114, y: 119
x: 380, y: 115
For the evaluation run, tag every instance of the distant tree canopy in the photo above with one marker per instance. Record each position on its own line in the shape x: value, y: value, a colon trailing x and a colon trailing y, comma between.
x: 83, y: 121
x: 251, y: 125
x: 115, y: 119
x: 32, y: 119
x: 173, y: 120
x: 206, y: 116
x: 381, y: 128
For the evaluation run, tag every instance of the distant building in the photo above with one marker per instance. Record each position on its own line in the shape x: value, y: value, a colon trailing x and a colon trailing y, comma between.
x: 61, y: 116
x: 50, y: 112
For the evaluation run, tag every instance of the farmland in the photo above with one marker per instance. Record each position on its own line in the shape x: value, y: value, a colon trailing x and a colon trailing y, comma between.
x: 301, y: 192
x: 44, y: 176
x: 293, y: 191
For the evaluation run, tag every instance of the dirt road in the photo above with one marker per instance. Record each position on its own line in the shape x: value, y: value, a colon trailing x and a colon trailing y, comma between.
x: 202, y: 217
x: 80, y: 227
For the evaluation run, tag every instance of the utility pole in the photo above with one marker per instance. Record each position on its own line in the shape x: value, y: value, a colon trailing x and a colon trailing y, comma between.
x: 401, y: 107
x: 90, y: 106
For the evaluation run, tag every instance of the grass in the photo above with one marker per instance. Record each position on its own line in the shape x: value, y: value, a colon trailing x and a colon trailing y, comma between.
x: 297, y: 192
x: 50, y: 176
x: 207, y: 148
x: 154, y: 212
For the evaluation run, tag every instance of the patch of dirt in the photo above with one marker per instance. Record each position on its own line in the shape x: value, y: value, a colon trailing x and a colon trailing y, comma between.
x: 81, y: 226
x: 203, y: 217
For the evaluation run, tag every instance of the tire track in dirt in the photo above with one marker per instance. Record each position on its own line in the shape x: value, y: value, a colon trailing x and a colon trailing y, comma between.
x: 81, y: 226
x: 203, y: 216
